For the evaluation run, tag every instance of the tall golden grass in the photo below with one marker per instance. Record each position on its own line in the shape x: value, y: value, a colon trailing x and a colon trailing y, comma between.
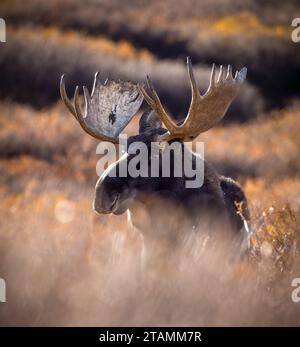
x: 65, y: 265
x: 254, y: 32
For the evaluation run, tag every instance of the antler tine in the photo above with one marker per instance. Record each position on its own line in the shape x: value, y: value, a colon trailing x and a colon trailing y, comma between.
x: 86, y: 94
x: 212, y: 81
x: 147, y: 97
x: 195, y: 91
x: 196, y: 97
x: 222, y: 75
x: 77, y: 105
x: 65, y: 98
x: 229, y: 73
x: 155, y: 103
x: 96, y: 82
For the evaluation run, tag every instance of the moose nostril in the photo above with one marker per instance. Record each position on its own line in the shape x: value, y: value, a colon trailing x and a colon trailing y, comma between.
x: 105, y: 204
x: 114, y: 201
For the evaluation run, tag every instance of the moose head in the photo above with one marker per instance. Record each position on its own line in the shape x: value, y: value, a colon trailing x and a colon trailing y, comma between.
x: 112, y: 105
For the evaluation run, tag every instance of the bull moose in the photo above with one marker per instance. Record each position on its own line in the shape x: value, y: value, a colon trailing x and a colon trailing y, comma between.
x: 108, y: 110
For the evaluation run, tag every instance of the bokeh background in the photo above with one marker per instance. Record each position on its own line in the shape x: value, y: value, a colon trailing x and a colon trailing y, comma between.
x: 66, y: 266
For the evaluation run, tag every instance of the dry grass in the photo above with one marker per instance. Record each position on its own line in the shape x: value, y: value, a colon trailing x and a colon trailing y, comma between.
x: 63, y: 264
x: 252, y: 33
x: 268, y: 147
x: 32, y: 62
x: 79, y: 268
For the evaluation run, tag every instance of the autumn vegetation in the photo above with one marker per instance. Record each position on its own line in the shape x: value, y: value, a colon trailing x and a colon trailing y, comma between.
x: 78, y: 268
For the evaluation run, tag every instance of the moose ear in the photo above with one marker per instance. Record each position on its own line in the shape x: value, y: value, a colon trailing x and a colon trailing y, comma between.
x: 149, y: 121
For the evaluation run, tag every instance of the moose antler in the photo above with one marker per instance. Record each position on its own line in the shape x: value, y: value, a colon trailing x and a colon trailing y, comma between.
x: 108, y: 109
x: 205, y: 111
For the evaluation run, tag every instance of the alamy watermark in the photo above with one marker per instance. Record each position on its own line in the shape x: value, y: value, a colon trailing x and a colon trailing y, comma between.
x: 157, y: 160
x: 2, y: 290
x: 296, y: 32
x: 296, y: 291
x: 2, y: 30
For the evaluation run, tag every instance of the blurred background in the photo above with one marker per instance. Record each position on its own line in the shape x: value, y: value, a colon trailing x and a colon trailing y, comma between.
x: 58, y: 258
